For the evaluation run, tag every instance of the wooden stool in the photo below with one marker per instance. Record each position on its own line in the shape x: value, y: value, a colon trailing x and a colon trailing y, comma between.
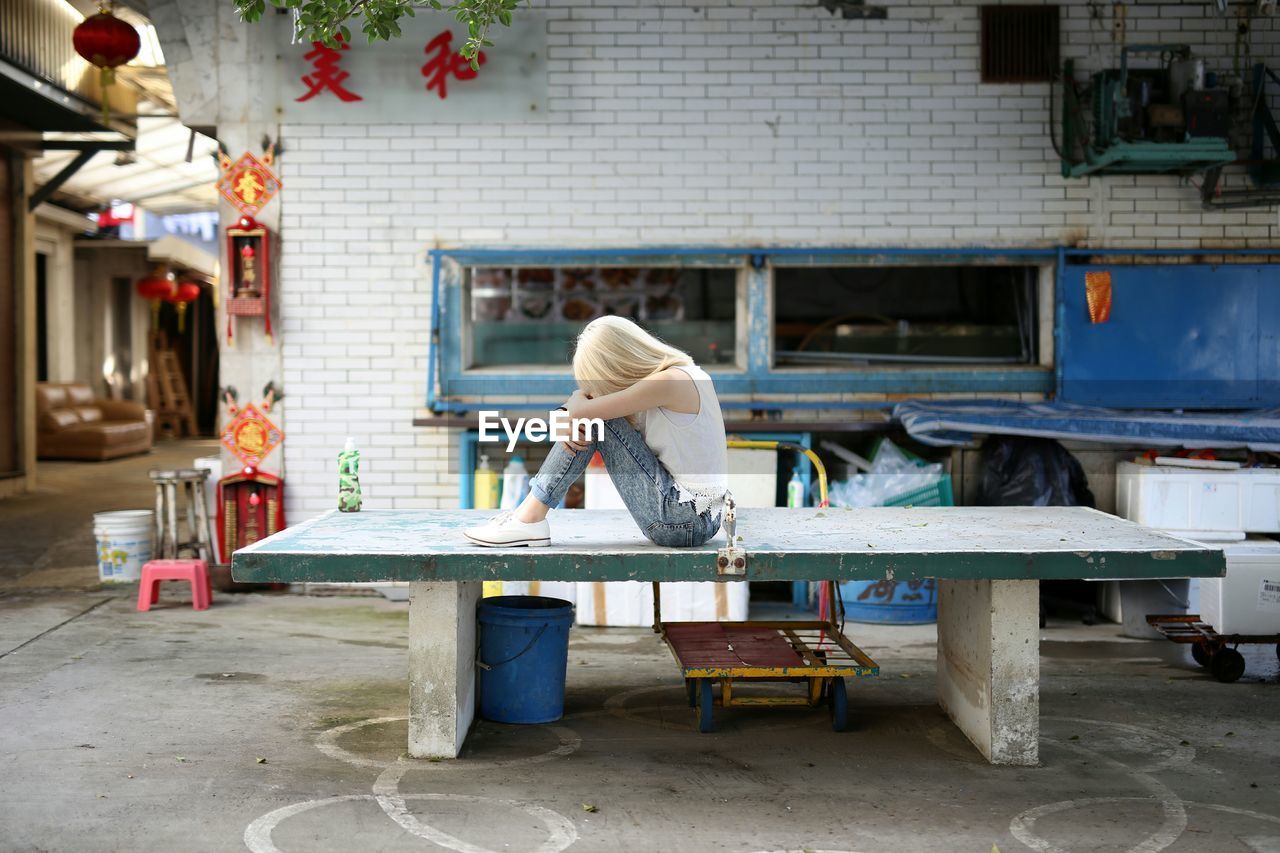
x: 199, y: 528
x: 194, y: 571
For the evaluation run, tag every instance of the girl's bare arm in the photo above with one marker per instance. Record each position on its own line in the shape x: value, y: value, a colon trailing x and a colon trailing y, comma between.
x: 671, y: 388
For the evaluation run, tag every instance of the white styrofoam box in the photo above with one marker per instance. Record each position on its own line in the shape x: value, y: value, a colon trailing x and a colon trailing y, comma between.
x: 598, y: 490
x: 1262, y: 500
x: 1247, y: 599
x: 753, y: 478
x: 1188, y: 499
x: 627, y: 604
x: 630, y: 603
x: 1110, y: 605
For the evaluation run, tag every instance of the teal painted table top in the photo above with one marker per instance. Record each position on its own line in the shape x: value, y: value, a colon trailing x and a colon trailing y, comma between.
x: 781, y: 544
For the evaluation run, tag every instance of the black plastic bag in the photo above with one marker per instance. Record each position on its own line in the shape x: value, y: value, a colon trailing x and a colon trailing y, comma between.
x: 1021, y: 471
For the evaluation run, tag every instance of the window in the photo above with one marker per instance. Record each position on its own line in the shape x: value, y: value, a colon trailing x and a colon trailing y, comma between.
x: 529, y: 316
x: 1019, y: 44
x: 773, y: 325
x: 879, y: 316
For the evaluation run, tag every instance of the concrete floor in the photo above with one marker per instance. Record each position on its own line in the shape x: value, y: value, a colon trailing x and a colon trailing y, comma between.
x: 278, y: 722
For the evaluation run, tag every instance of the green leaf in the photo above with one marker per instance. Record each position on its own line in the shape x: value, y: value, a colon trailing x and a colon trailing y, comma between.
x: 326, y: 20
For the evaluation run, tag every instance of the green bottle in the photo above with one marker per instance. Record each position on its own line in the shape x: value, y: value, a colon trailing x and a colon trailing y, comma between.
x: 795, y: 490
x: 349, y: 478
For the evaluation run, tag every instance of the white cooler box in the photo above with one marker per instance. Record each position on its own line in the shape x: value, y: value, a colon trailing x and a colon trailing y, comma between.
x: 753, y: 480
x: 1190, y: 500
x: 630, y: 603
x: 1247, y: 599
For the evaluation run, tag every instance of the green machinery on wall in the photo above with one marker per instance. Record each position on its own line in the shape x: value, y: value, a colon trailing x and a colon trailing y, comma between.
x: 1170, y: 119
x: 1263, y: 166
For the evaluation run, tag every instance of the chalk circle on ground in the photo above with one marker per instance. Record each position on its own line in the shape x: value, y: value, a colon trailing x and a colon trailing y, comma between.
x: 807, y: 850
x: 1172, y: 825
x: 560, y: 830
x: 1171, y: 751
x: 1022, y: 826
x: 1133, y: 739
x: 327, y: 742
x: 769, y: 719
x: 386, y: 791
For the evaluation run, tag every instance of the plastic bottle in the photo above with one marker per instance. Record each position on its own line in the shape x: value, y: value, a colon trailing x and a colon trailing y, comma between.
x: 515, y: 483
x: 487, y: 485
x: 349, y: 498
x: 795, y: 490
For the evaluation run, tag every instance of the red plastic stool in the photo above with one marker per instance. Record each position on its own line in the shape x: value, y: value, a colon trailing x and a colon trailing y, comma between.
x: 195, y: 571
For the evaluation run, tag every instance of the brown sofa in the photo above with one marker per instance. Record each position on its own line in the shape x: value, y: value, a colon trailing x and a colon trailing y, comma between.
x: 72, y: 424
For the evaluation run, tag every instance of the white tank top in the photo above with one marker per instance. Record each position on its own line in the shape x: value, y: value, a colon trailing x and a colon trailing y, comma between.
x: 691, y: 447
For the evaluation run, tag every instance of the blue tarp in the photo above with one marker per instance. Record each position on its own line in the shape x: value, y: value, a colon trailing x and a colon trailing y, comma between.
x: 944, y: 423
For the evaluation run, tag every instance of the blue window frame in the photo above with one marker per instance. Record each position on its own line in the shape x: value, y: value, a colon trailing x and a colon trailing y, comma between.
x: 752, y: 381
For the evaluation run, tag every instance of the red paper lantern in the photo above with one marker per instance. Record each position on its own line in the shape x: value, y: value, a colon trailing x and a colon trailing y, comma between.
x: 105, y: 42
x: 185, y: 293
x: 155, y: 287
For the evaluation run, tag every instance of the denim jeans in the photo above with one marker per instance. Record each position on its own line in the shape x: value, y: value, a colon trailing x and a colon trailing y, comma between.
x: 646, y: 486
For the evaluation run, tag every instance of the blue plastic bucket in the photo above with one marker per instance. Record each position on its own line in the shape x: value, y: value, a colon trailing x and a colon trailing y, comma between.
x: 524, y: 652
x: 913, y: 602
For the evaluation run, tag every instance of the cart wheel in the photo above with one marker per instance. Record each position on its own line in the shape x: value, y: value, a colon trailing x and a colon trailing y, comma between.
x: 1200, y: 654
x: 838, y: 704
x: 705, y: 700
x: 691, y: 687
x: 1227, y: 665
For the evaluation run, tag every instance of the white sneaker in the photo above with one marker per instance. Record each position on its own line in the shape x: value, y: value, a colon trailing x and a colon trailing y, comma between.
x: 506, y: 531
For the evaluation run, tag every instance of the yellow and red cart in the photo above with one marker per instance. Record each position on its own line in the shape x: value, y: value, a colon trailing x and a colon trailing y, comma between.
x: 815, y: 653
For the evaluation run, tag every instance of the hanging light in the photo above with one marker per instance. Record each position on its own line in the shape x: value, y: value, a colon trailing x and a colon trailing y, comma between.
x: 185, y: 293
x: 105, y: 42
x: 160, y: 285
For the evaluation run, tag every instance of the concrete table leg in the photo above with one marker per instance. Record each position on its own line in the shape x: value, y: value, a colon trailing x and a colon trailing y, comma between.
x: 989, y: 665
x: 442, y: 666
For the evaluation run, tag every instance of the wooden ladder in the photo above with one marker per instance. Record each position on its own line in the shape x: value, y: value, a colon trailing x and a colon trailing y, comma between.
x: 174, y: 415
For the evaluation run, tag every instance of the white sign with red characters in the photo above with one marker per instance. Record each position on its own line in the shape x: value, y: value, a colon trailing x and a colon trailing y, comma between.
x: 417, y: 77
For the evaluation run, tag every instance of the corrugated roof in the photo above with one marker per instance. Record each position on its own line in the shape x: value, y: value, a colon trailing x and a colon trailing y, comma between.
x: 158, y: 179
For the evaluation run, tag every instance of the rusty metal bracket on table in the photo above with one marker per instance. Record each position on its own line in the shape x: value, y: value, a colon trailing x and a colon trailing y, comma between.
x: 731, y: 560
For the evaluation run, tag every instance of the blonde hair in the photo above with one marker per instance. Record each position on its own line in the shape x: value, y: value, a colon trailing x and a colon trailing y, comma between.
x: 613, y: 353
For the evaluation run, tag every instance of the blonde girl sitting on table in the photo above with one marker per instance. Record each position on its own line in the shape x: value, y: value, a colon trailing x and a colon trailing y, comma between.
x: 663, y: 442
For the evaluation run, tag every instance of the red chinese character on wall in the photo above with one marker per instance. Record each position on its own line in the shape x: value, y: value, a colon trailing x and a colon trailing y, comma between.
x: 326, y: 75
x: 443, y: 62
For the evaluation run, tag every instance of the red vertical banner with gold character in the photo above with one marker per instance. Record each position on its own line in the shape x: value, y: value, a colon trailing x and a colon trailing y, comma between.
x: 1097, y: 293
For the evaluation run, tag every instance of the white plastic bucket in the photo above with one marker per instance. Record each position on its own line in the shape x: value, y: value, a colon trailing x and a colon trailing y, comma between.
x: 125, y: 543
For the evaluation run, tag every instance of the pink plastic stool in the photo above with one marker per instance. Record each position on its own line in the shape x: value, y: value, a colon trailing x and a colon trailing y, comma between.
x: 195, y: 571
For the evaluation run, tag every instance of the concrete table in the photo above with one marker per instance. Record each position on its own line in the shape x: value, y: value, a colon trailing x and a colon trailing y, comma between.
x: 988, y: 562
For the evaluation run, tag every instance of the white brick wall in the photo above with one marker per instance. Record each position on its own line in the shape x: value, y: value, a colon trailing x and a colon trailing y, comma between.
x: 710, y: 121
